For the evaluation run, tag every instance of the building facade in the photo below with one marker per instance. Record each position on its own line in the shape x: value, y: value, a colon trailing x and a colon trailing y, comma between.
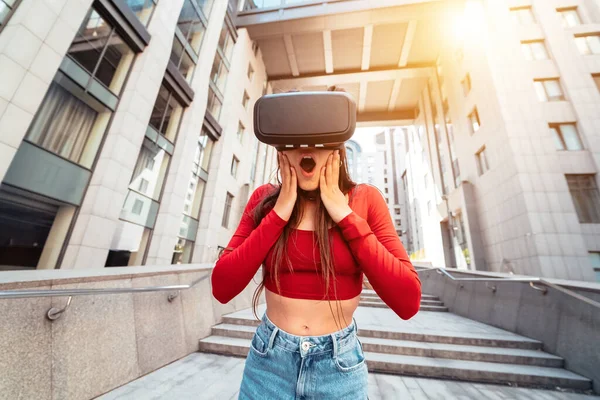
x: 125, y: 131
x: 506, y: 149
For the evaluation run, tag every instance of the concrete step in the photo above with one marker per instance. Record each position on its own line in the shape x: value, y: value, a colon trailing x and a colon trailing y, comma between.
x: 383, y: 305
x: 462, y: 352
x: 424, y: 349
x: 457, y: 338
x: 476, y: 371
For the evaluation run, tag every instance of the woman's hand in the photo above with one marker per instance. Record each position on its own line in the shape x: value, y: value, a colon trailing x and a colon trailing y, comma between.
x: 287, y: 197
x: 333, y: 199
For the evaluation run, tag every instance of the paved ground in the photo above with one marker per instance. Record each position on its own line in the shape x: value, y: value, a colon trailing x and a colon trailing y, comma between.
x: 209, y: 376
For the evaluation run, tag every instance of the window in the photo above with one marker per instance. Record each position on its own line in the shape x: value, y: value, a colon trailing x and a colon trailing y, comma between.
x: 234, y: 166
x: 183, y: 251
x: 182, y: 59
x: 474, y: 121
x: 204, y: 150
x: 137, y: 207
x: 63, y: 125
x: 166, y: 114
x: 596, y: 78
x: 226, y: 42
x: 466, y: 84
x: 385, y: 180
x: 214, y: 103
x: 227, y: 210
x: 522, y: 15
x: 386, y: 190
x: 219, y: 72
x: 149, y: 181
x: 143, y: 9
x: 255, y: 48
x: 254, y: 161
x: 429, y: 208
x: 245, y: 100
x: 569, y: 17
x: 397, y: 210
x: 398, y: 223
x: 534, y: 50
x: 250, y: 72
x: 100, y: 50
x: 191, y: 24
x: 240, y: 132
x: 586, y: 197
x: 588, y: 44
x: 595, y: 260
x: 482, y: 162
x: 548, y: 90
x: 566, y: 137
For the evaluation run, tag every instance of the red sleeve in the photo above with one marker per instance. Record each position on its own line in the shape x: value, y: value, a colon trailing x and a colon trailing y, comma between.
x: 246, y: 250
x: 379, y: 251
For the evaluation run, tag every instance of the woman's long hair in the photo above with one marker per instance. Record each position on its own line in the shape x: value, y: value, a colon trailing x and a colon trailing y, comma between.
x: 323, y: 222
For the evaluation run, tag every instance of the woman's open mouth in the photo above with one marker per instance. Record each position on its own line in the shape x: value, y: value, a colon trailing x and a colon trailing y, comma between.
x: 307, y: 163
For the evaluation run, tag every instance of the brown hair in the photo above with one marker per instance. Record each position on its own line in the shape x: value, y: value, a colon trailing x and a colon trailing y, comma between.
x: 280, y: 254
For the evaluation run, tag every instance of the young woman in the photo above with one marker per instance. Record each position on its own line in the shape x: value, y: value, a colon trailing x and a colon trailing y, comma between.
x: 316, y: 233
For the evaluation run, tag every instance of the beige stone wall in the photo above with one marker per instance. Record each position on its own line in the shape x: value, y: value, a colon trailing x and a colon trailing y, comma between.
x: 101, y: 341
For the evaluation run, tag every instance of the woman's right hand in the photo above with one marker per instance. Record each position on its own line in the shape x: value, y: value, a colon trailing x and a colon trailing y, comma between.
x: 287, y: 197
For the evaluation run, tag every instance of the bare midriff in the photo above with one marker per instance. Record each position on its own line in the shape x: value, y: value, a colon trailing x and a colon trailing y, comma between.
x: 309, y: 317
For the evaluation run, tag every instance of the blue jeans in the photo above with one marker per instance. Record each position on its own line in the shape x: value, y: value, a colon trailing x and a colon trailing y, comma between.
x: 285, y: 366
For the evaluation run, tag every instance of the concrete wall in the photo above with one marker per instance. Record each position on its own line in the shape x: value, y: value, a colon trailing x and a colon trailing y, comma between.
x: 567, y: 326
x: 102, y: 341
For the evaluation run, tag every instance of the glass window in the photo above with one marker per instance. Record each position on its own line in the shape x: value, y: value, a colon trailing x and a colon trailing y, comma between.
x: 219, y: 73
x: 588, y: 44
x: 226, y: 42
x: 234, y: 166
x: 596, y: 78
x: 548, y: 90
x: 245, y: 100
x: 214, y: 103
x: 227, y: 210
x: 535, y: 50
x: 566, y: 137
x: 204, y: 150
x: 474, y: 121
x: 586, y: 197
x: 250, y: 72
x: 6, y: 7
x: 240, y: 132
x: 254, y: 161
x: 182, y: 60
x: 569, y: 17
x: 205, y: 6
x: 64, y: 125
x: 101, y: 51
x: 191, y: 25
x: 522, y: 15
x: 482, y: 162
x: 466, y: 84
x: 183, y: 251
x: 148, y: 177
x: 143, y: 9
x: 166, y: 114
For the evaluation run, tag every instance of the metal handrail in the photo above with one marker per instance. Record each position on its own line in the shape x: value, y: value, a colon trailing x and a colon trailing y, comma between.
x: 531, y: 281
x: 15, y: 294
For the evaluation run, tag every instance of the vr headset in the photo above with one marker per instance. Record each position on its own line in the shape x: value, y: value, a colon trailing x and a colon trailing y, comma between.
x: 305, y: 119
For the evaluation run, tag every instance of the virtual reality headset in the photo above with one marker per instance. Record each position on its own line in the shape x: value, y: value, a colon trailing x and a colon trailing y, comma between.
x: 305, y: 119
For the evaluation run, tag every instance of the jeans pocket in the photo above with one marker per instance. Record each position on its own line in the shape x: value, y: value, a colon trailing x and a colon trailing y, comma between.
x: 351, y: 359
x: 258, y: 345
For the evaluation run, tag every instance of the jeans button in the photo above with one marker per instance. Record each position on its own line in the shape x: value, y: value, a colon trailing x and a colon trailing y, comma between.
x: 305, y: 346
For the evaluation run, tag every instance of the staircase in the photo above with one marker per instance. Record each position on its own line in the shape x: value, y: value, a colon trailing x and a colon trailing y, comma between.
x: 369, y: 298
x: 432, y: 344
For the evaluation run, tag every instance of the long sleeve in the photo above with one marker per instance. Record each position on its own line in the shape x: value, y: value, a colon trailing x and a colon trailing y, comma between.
x: 246, y: 250
x: 379, y: 251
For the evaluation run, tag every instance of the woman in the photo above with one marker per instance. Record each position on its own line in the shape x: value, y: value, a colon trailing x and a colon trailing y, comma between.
x: 316, y: 233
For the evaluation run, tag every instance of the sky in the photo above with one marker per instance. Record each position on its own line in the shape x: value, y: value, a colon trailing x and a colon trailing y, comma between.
x: 365, y: 137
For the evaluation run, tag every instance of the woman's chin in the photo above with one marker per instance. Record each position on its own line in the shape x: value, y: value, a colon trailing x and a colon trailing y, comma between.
x: 308, y: 186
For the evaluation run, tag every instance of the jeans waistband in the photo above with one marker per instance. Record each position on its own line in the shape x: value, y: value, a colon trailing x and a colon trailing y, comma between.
x: 337, y: 342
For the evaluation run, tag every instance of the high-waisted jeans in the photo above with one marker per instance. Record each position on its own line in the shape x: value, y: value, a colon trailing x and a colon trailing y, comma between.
x: 285, y: 366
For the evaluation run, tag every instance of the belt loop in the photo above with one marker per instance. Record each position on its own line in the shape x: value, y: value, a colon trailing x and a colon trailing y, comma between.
x: 272, y: 338
x: 335, y: 348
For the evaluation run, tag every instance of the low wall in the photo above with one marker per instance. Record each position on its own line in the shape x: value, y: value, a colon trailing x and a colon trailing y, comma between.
x: 102, y: 341
x: 568, y: 327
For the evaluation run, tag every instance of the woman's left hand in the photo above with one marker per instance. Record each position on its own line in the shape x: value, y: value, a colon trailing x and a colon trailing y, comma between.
x: 333, y: 199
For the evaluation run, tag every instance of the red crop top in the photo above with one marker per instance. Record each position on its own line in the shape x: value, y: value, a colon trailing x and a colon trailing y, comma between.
x: 363, y: 242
